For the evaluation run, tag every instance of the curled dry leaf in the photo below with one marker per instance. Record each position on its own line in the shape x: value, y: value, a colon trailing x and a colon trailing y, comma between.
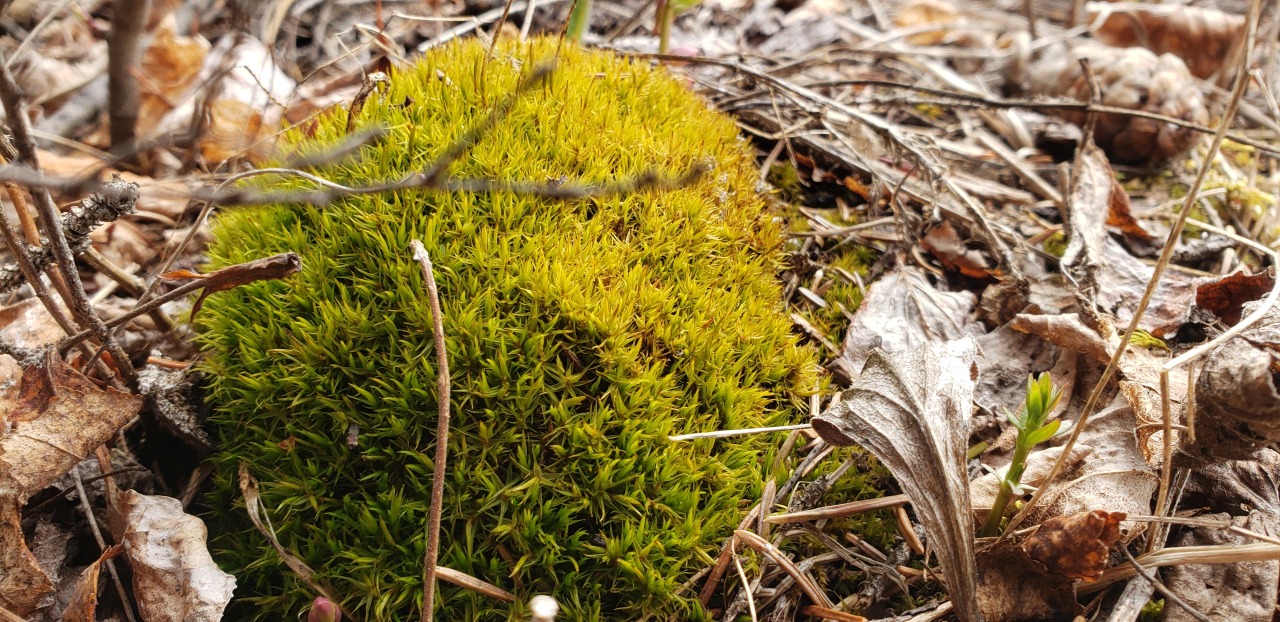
x: 1207, y: 40
x: 1237, y: 403
x: 23, y: 583
x: 1075, y: 546
x: 901, y: 311
x: 911, y: 410
x: 1120, y: 216
x: 1226, y: 296
x: 1133, y: 78
x: 84, y: 601
x: 174, y: 577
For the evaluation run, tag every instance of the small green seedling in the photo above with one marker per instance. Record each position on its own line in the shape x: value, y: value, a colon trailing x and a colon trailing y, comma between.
x: 579, y: 20
x: 1144, y: 339
x: 1042, y: 398
x: 667, y: 12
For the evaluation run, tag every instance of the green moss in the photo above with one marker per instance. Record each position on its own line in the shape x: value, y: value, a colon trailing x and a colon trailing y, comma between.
x: 580, y: 336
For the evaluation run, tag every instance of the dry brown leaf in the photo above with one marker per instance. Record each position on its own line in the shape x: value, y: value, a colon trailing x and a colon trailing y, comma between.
x: 174, y: 577
x: 1075, y: 546
x: 1226, y: 296
x: 1103, y: 272
x: 124, y: 243
x: 1118, y: 475
x: 61, y: 417
x: 246, y: 94
x: 1237, y: 403
x: 901, y: 311
x: 167, y: 71
x: 944, y: 243
x: 74, y: 416
x: 923, y: 14
x: 236, y: 130
x: 1231, y: 485
x: 911, y: 410
x: 1115, y: 477
x: 1138, y: 378
x: 23, y: 584
x: 1207, y: 40
x: 84, y: 601
x: 26, y: 325
x: 1015, y: 588
x: 1133, y: 78
x: 1005, y: 358
x: 1120, y: 215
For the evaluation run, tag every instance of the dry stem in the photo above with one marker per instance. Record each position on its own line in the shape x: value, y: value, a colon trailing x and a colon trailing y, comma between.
x: 442, y: 434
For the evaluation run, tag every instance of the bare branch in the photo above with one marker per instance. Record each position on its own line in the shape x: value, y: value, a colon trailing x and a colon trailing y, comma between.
x: 11, y: 97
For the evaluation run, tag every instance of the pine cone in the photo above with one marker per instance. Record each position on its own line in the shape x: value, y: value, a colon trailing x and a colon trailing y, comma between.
x: 1129, y: 78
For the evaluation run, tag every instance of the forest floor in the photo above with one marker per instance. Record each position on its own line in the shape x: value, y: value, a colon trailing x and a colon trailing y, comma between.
x: 1014, y: 188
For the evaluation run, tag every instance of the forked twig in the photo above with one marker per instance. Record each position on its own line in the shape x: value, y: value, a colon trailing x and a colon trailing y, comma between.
x: 442, y: 433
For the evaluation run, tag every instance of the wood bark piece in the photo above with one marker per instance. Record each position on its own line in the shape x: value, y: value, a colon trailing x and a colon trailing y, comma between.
x: 911, y: 410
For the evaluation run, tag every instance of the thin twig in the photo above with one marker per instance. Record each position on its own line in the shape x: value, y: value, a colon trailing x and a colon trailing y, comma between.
x: 464, y: 144
x: 805, y: 582
x: 958, y: 99
x: 1160, y: 587
x: 102, y: 543
x: 442, y: 433
x: 1175, y: 234
x: 123, y: 44
x: 742, y: 576
x: 20, y: 125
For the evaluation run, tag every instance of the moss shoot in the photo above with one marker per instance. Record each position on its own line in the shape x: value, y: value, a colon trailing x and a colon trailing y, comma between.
x: 580, y: 336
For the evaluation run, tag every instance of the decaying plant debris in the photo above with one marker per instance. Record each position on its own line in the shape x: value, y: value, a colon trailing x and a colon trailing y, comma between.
x: 962, y: 193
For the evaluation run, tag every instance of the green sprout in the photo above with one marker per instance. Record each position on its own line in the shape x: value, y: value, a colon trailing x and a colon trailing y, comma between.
x: 579, y: 19
x: 1042, y: 398
x: 667, y: 12
x: 1144, y: 339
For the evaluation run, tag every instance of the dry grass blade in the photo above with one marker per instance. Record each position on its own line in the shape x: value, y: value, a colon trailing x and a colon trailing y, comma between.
x: 1220, y: 554
x: 805, y: 582
x: 462, y: 579
x: 838, y: 511
x: 258, y: 514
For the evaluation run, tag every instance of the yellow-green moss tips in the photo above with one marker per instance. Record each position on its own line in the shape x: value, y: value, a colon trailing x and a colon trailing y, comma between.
x: 580, y: 336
